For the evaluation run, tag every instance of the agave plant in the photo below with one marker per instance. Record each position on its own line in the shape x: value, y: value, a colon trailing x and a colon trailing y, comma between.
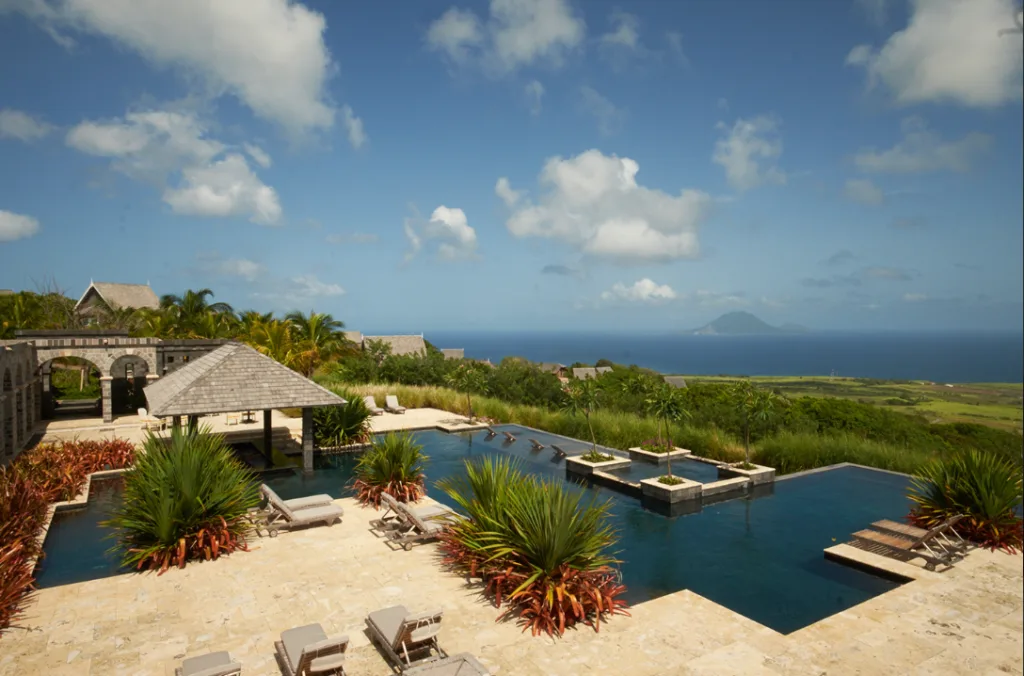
x: 342, y: 425
x: 394, y: 466
x: 185, y: 499
x: 982, y: 486
x: 539, y: 548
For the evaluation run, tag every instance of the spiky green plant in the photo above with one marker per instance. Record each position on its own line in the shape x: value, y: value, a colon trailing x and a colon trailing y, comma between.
x: 394, y: 466
x: 982, y: 486
x: 184, y: 499
x: 342, y: 425
x: 541, y: 548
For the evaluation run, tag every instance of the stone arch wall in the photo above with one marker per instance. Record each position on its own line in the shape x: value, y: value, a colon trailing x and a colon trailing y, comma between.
x: 8, y: 439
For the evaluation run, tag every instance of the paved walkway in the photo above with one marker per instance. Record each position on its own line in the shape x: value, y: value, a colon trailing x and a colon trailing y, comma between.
x: 966, y: 621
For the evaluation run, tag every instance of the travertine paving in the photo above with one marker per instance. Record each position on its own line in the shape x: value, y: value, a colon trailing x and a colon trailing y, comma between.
x: 966, y: 621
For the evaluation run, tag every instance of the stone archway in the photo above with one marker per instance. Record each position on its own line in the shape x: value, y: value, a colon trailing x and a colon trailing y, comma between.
x: 74, y: 403
x: 129, y: 374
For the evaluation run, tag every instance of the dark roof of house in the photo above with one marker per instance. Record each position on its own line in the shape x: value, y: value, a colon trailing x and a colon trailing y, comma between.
x: 234, y: 377
x: 123, y: 295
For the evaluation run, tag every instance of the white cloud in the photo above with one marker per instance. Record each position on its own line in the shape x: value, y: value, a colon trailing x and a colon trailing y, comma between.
x: 258, y: 155
x: 16, y: 226
x: 593, y: 202
x: 864, y: 191
x: 19, y: 125
x: 626, y: 31
x: 921, y: 150
x: 914, y: 297
x: 353, y: 127
x: 534, y: 91
x: 233, y: 267
x: 270, y: 54
x: 309, y: 286
x: 950, y: 51
x: 749, y: 152
x: 641, y: 291
x: 876, y: 10
x: 675, y: 47
x: 515, y: 33
x: 609, y: 117
x: 715, y: 299
x: 448, y: 227
x: 300, y: 289
x: 156, y: 145
x: 503, y: 189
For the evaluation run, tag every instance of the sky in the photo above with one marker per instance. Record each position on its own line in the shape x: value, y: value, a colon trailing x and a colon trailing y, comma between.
x: 523, y: 164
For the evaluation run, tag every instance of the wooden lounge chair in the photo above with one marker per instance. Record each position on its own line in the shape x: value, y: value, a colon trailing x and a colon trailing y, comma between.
x: 509, y: 437
x: 412, y: 528
x: 408, y: 639
x: 371, y: 404
x: 462, y: 664
x: 211, y: 664
x: 491, y: 433
x: 907, y: 548
x: 304, y: 651
x: 946, y: 536
x: 536, y: 445
x: 319, y: 500
x: 283, y: 516
x: 559, y: 453
x: 391, y: 404
x: 395, y: 514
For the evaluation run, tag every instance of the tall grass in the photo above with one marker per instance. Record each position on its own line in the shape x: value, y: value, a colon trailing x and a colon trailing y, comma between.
x: 791, y: 452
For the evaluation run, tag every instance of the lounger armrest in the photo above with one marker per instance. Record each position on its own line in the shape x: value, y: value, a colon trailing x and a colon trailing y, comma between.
x: 226, y: 670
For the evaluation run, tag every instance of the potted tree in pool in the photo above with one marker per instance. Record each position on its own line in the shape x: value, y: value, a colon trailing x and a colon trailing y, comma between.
x: 664, y: 404
x: 467, y: 379
x: 582, y: 398
x: 757, y: 408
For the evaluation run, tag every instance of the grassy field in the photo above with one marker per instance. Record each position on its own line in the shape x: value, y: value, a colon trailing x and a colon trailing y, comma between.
x: 993, y: 404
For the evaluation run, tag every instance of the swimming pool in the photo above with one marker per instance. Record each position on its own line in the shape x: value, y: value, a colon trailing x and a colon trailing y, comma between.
x: 760, y: 556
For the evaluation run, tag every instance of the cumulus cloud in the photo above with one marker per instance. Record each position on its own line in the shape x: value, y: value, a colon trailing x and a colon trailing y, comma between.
x: 922, y: 150
x: 258, y: 155
x: 675, y: 48
x: 608, y: 116
x: 592, y: 202
x: 241, y: 268
x: 862, y: 190
x: 534, y: 92
x: 641, y: 291
x: 16, y: 226
x: 449, y: 228
x: 514, y: 34
x: 270, y: 54
x: 300, y: 289
x: 503, y: 189
x: 949, y: 52
x: 353, y: 127
x: 840, y: 257
x: 20, y: 125
x: 159, y: 146
x: 749, y: 151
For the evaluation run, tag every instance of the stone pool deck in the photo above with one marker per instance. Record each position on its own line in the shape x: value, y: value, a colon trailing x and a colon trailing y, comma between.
x: 965, y: 621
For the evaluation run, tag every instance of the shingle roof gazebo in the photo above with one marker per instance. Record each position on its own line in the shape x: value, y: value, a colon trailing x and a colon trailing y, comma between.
x: 236, y: 377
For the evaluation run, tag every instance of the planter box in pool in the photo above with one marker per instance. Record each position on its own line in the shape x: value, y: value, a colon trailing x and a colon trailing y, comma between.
x: 638, y: 453
x: 730, y: 485
x: 577, y: 465
x: 759, y: 475
x: 686, y: 490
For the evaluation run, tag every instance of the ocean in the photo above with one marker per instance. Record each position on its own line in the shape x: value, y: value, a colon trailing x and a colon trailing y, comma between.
x: 940, y: 357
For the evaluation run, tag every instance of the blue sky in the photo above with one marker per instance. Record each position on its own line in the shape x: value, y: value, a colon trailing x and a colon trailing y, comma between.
x: 522, y: 164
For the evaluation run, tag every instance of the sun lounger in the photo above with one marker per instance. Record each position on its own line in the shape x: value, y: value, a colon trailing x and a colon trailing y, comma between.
x: 947, y: 537
x: 508, y: 437
x: 899, y: 547
x: 391, y: 404
x: 371, y: 404
x: 412, y: 528
x: 306, y: 650
x: 211, y: 664
x: 318, y: 500
x: 491, y: 433
x: 395, y: 514
x: 283, y: 515
x: 462, y: 664
x: 537, y: 446
x: 559, y: 453
x: 408, y: 639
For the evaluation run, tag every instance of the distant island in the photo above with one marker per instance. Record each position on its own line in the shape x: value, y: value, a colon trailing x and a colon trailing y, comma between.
x: 743, y: 323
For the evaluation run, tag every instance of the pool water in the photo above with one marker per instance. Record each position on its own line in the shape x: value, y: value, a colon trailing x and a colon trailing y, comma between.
x: 690, y: 469
x: 761, y: 557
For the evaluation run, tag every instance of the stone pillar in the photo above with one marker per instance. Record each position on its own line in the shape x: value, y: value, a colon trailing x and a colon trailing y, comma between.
x: 268, y: 439
x: 106, y: 399
x: 30, y: 407
x: 307, y: 440
x: 47, y: 394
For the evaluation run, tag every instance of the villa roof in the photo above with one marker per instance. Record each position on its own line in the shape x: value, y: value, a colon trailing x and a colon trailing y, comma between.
x: 401, y: 344
x: 453, y: 353
x: 134, y: 296
x: 551, y: 367
x: 234, y: 377
x: 676, y: 381
x: 354, y: 336
x: 589, y: 372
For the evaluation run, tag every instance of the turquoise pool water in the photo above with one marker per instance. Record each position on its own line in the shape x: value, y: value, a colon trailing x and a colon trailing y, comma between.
x: 761, y: 557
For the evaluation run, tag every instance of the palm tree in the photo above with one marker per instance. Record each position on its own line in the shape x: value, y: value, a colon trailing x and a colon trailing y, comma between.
x: 757, y: 407
x: 467, y: 379
x: 192, y: 307
x: 213, y: 325
x: 20, y: 311
x: 317, y: 335
x: 664, y: 404
x: 582, y: 397
x: 157, y: 324
x: 274, y: 339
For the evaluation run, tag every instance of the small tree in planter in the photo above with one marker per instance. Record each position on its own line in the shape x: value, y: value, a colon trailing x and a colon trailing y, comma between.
x: 467, y: 379
x: 757, y: 408
x: 582, y: 397
x: 664, y: 404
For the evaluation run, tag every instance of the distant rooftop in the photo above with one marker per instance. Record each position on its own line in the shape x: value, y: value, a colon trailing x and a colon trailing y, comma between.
x: 588, y: 372
x: 401, y: 344
x: 453, y: 353
x: 136, y: 296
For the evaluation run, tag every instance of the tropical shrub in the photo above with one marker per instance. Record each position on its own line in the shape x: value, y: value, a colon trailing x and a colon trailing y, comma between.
x: 342, y: 425
x: 59, y: 470
x: 538, y: 547
x: 656, y: 445
x: 596, y: 456
x: 394, y: 466
x: 983, y: 487
x: 185, y: 499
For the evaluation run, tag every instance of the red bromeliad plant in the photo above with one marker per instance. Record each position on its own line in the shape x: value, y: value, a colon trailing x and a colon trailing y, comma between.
x: 537, y: 548
x: 394, y: 466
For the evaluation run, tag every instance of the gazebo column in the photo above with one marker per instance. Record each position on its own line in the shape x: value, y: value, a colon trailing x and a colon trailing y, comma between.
x: 307, y: 440
x: 268, y: 449
x: 47, y: 392
x: 106, y: 398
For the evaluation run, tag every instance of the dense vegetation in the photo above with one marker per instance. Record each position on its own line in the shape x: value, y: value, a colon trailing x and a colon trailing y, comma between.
x: 335, y: 426
x: 45, y: 474
x: 539, y: 548
x: 186, y: 498
x: 394, y: 465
